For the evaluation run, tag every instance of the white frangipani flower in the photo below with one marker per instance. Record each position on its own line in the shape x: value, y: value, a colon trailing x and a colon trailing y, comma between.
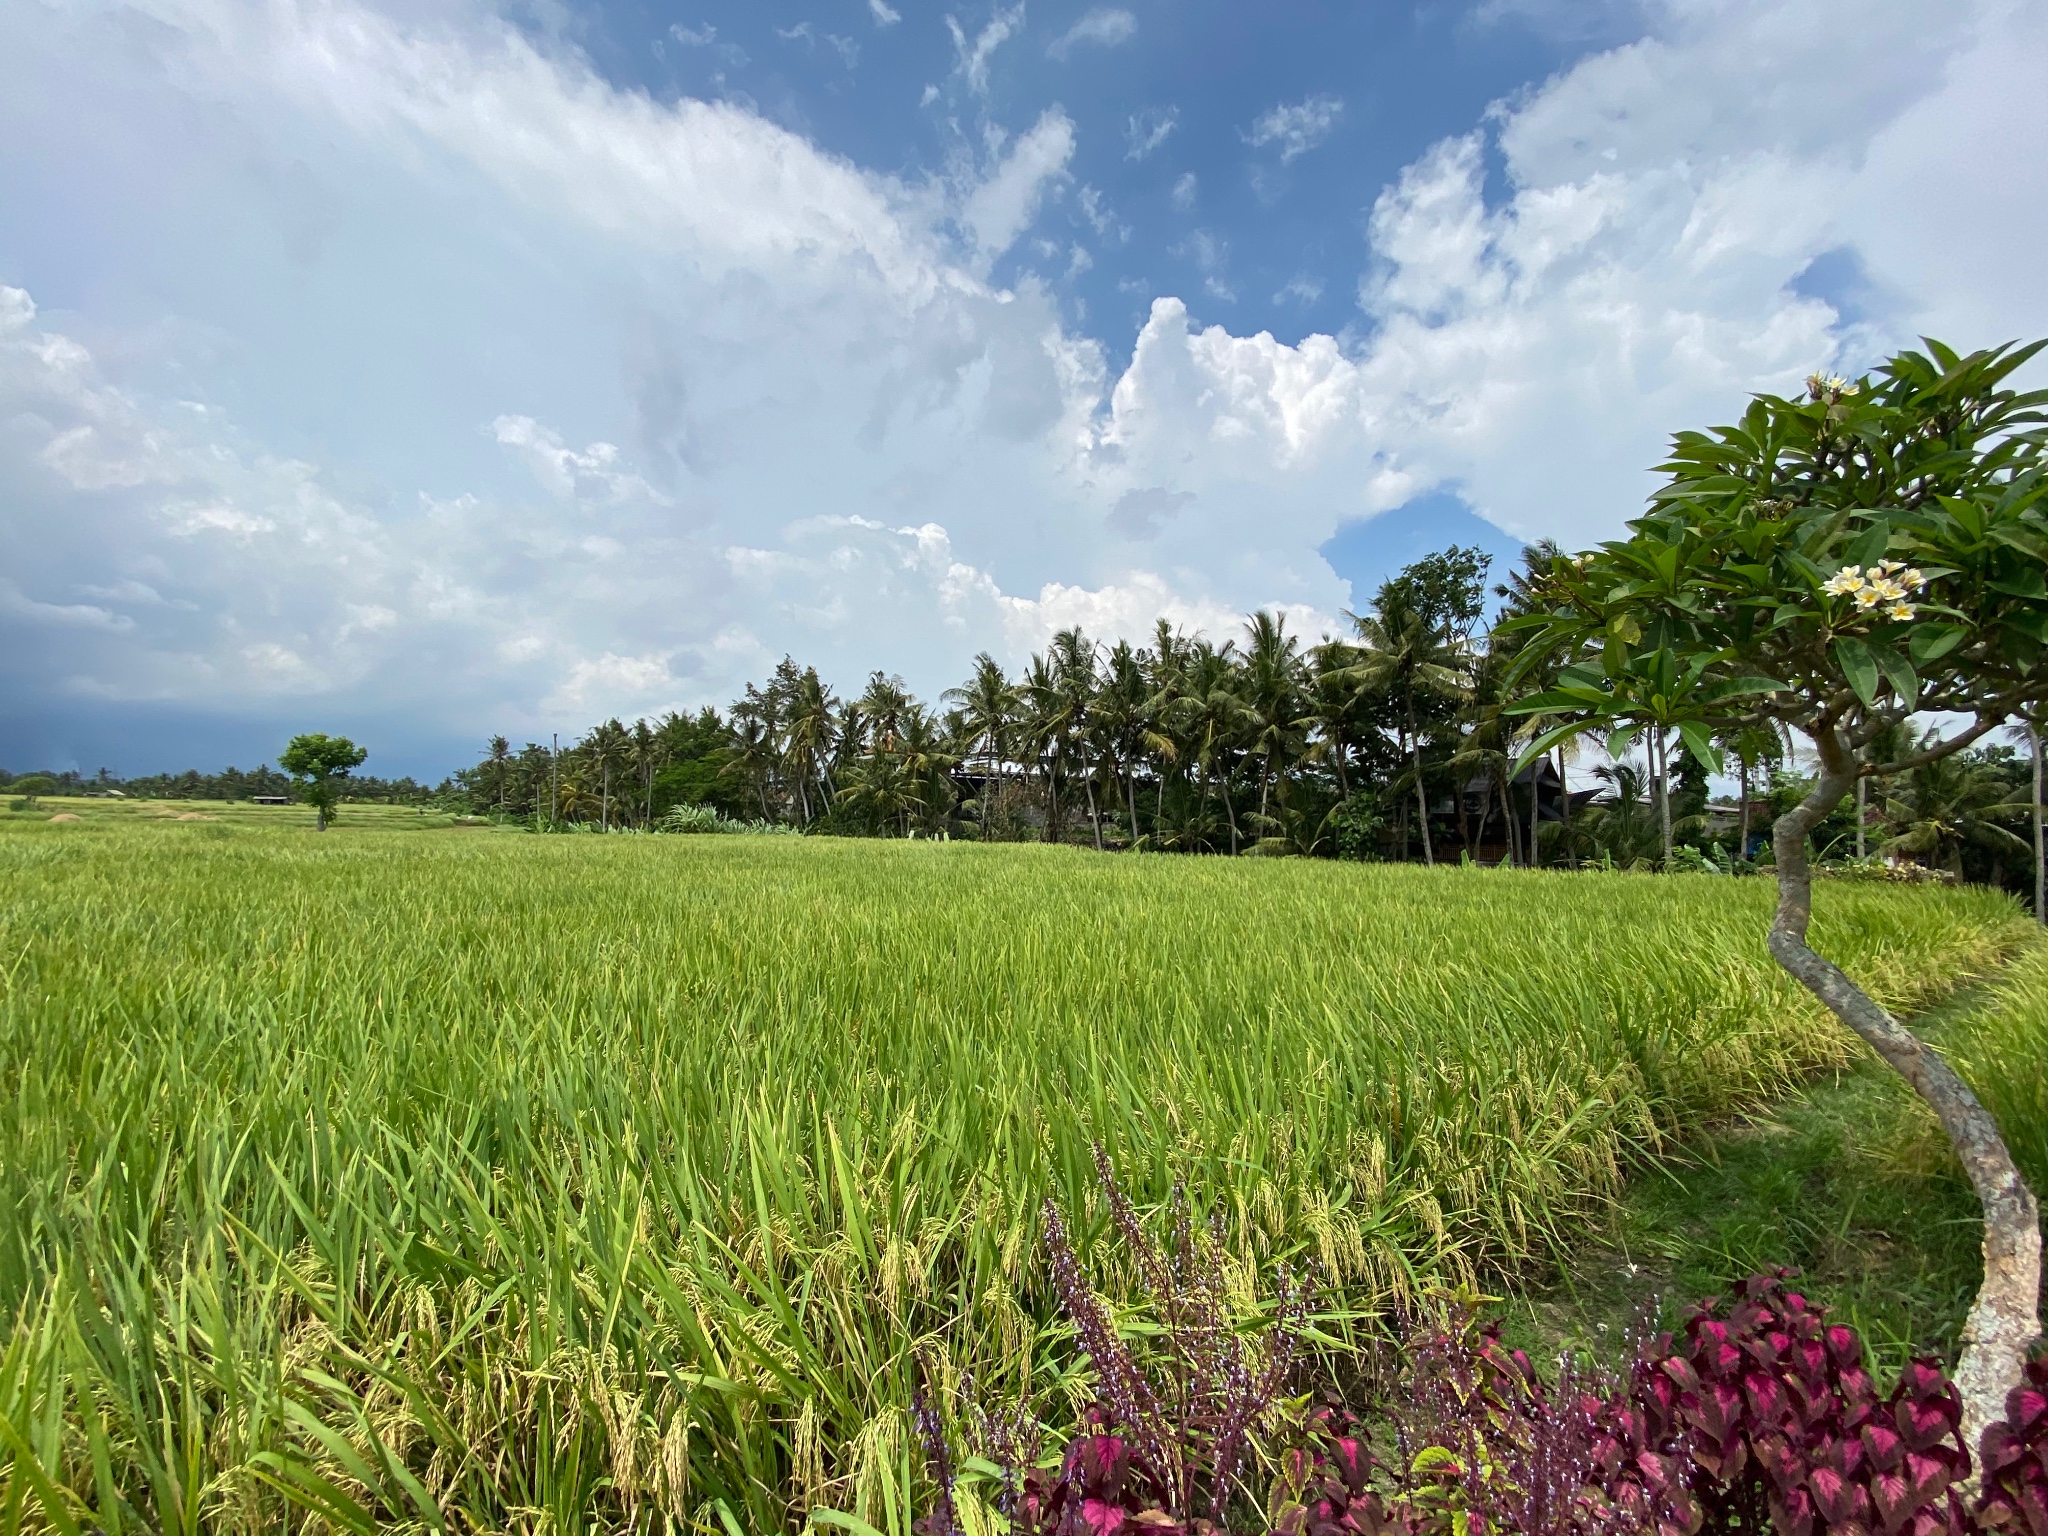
x: 1848, y: 579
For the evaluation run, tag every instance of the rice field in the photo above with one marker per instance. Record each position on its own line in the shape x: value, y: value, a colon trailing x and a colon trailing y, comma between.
x: 485, y: 1182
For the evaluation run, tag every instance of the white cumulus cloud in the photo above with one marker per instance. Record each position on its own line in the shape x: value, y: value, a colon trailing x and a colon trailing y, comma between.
x: 1004, y: 205
x: 1297, y: 127
x: 1105, y: 27
x: 448, y: 382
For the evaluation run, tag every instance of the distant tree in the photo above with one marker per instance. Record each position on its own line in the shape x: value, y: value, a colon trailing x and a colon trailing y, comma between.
x: 988, y: 707
x: 1418, y: 647
x: 605, y: 748
x: 1949, y: 804
x: 321, y: 764
x: 500, y: 761
x: 30, y: 786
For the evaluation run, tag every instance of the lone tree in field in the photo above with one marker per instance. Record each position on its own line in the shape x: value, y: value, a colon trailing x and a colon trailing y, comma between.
x: 321, y: 763
x: 1837, y: 564
x: 31, y: 786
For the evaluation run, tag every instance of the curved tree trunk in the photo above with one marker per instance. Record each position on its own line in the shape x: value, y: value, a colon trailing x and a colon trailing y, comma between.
x: 2005, y: 1320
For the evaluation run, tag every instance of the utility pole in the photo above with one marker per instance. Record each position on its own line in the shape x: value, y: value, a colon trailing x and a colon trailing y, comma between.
x: 554, y: 781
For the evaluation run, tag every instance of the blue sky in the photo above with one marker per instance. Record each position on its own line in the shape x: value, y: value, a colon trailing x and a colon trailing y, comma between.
x: 1223, y: 151
x: 432, y: 370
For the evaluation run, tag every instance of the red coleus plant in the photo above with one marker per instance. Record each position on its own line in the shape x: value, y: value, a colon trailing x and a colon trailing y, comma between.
x: 2015, y: 1498
x: 1781, y: 1421
x: 1760, y: 1414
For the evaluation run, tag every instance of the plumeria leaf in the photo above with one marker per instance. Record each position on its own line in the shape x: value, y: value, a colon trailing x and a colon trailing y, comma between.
x: 1857, y: 665
x: 2027, y: 583
x: 1700, y: 742
x: 1742, y: 687
x: 2022, y: 539
x: 1931, y: 642
x: 1559, y: 698
x: 1905, y: 682
x: 1870, y: 545
x: 2029, y: 621
x: 1549, y: 739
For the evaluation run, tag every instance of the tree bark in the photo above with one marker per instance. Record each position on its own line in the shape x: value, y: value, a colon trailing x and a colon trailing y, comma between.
x: 2004, y: 1322
x: 1094, y: 815
x: 1535, y: 806
x: 1663, y: 772
x: 2040, y: 869
x: 1485, y: 804
x: 1862, y: 810
x: 1510, y: 822
x: 1421, y: 798
x: 1564, y: 810
x: 1742, y: 781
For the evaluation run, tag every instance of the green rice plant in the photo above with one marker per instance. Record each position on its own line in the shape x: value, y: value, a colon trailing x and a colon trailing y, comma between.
x: 2002, y: 1052
x: 493, y: 1183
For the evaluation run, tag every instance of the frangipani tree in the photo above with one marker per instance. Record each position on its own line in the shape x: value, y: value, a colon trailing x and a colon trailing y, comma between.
x: 1837, y: 564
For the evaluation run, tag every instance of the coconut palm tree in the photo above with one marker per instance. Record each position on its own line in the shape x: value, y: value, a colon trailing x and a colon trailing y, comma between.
x: 988, y: 705
x: 809, y: 724
x: 1213, y: 718
x: 605, y: 748
x: 1942, y: 807
x: 1277, y: 719
x: 752, y: 754
x: 1331, y: 708
x: 1125, y: 727
x: 500, y: 761
x: 647, y: 752
x: 1410, y: 656
x: 1622, y: 825
x: 928, y: 764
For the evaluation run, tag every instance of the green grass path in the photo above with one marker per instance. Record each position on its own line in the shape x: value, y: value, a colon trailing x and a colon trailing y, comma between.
x: 1849, y: 1181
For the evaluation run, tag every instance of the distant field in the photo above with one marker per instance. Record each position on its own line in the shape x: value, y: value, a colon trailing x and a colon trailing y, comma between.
x: 617, y: 1177
x: 236, y: 813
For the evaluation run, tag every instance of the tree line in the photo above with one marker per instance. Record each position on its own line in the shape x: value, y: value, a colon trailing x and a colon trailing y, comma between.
x: 1396, y: 741
x: 230, y: 784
